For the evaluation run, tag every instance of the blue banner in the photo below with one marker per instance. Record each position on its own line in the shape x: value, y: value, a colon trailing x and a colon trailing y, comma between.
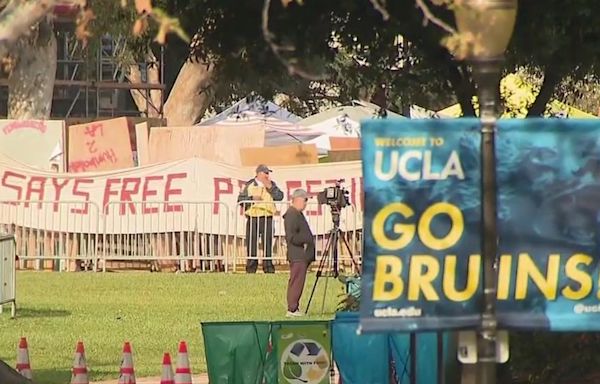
x: 549, y: 224
x: 422, y: 223
x: 422, y: 262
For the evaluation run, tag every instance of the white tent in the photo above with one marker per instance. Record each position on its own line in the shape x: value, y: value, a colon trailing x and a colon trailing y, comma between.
x: 277, y: 132
x: 254, y: 104
x: 341, y: 126
x: 342, y: 121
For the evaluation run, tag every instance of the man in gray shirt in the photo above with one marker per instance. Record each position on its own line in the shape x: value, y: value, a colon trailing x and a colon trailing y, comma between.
x: 300, y: 249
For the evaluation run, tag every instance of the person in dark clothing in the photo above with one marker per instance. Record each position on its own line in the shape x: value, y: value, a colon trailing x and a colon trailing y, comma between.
x: 260, y: 193
x: 300, y: 249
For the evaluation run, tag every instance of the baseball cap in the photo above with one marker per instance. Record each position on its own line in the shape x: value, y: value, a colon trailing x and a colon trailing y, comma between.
x: 263, y: 168
x: 300, y: 193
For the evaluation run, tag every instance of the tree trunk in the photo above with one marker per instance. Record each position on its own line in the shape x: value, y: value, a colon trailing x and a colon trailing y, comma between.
x: 31, y: 80
x: 18, y: 17
x: 148, y: 102
x: 551, y: 79
x: 10, y: 376
x: 191, y: 94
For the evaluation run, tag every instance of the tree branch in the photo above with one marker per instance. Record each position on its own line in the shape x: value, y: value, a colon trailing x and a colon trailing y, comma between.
x: 379, y: 6
x: 551, y: 79
x: 428, y: 16
x: 277, y: 49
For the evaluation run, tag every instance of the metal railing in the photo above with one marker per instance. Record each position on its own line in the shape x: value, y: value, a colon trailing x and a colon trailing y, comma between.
x: 188, y: 236
x: 52, y: 235
x: 262, y: 237
x: 186, y: 232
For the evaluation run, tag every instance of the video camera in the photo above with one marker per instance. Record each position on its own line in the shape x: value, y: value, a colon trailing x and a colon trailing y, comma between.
x: 336, y: 197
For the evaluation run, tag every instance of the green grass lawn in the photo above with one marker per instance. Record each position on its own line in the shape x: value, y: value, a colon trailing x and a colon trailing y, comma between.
x: 152, y: 311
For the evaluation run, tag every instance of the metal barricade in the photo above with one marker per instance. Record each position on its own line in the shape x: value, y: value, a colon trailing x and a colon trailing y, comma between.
x: 8, y: 268
x: 184, y: 235
x: 263, y: 237
x: 52, y: 235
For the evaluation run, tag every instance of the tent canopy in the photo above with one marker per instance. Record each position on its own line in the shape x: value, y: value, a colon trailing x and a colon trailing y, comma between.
x: 277, y: 132
x: 255, y: 104
x: 356, y: 111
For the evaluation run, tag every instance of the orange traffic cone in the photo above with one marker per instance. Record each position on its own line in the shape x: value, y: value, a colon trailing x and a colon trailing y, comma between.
x: 23, y: 366
x: 167, y: 370
x: 80, y: 371
x: 127, y: 375
x: 183, y: 373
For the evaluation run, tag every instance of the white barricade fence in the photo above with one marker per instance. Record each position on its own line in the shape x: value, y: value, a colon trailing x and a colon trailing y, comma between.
x: 52, y: 234
x: 263, y: 237
x: 196, y: 235
x: 187, y: 232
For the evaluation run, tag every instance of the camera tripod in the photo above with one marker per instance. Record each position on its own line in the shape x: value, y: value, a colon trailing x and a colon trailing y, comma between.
x: 328, y: 266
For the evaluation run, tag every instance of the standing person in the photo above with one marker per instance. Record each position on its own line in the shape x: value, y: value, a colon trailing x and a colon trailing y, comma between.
x: 260, y: 192
x: 300, y: 249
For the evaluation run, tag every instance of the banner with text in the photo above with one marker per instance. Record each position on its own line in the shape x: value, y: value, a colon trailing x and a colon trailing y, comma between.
x: 422, y: 262
x: 158, y: 198
x: 549, y: 224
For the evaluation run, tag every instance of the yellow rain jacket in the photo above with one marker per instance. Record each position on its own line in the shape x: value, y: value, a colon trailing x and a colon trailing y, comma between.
x: 264, y: 207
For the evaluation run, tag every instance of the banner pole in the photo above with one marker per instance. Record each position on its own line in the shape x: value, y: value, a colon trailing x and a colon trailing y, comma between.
x: 487, y: 76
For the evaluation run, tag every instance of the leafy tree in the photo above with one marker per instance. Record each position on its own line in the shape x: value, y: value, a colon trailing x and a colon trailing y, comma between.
x: 343, y: 48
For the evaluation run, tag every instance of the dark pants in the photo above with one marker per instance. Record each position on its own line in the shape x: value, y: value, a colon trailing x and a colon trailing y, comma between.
x: 296, y: 284
x: 259, y: 227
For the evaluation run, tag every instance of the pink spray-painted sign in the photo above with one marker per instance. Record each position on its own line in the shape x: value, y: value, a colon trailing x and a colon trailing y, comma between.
x: 35, y: 143
x: 100, y: 146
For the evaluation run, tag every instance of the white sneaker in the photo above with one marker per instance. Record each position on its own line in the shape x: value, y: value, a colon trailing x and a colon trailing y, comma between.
x: 296, y: 313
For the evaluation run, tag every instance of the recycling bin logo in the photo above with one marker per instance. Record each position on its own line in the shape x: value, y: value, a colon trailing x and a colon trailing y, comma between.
x: 305, y: 362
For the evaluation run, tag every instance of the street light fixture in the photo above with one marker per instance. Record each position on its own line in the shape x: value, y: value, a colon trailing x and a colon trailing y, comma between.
x: 489, y: 25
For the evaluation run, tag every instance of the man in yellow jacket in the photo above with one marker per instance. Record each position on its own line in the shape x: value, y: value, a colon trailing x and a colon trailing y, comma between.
x: 259, y: 195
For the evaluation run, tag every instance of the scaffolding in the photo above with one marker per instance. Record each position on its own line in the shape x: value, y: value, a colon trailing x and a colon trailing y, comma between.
x: 91, y: 82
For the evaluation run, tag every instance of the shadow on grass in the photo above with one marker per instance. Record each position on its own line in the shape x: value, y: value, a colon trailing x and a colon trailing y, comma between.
x: 25, y: 313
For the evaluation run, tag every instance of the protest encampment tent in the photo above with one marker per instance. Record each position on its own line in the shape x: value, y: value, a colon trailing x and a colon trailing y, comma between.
x: 277, y: 131
x: 343, y: 121
x: 255, y: 104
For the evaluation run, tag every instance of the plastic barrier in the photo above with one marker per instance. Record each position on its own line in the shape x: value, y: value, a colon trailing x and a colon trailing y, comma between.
x: 422, y: 358
x: 8, y: 273
x: 360, y: 359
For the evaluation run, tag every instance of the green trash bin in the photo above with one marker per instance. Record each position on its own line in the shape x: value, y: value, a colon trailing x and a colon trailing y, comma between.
x: 303, y: 352
x: 237, y: 352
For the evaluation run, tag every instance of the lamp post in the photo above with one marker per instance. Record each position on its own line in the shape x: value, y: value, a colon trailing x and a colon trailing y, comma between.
x: 489, y: 23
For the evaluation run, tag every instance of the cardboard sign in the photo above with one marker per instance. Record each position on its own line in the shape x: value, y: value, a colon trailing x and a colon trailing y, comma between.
x: 344, y: 143
x: 280, y: 155
x: 213, y: 142
x: 36, y: 143
x: 100, y: 146
x: 141, y: 135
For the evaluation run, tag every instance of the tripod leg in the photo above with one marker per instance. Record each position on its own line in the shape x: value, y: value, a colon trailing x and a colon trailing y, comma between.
x: 336, y: 240
x: 324, y: 296
x: 324, y: 257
